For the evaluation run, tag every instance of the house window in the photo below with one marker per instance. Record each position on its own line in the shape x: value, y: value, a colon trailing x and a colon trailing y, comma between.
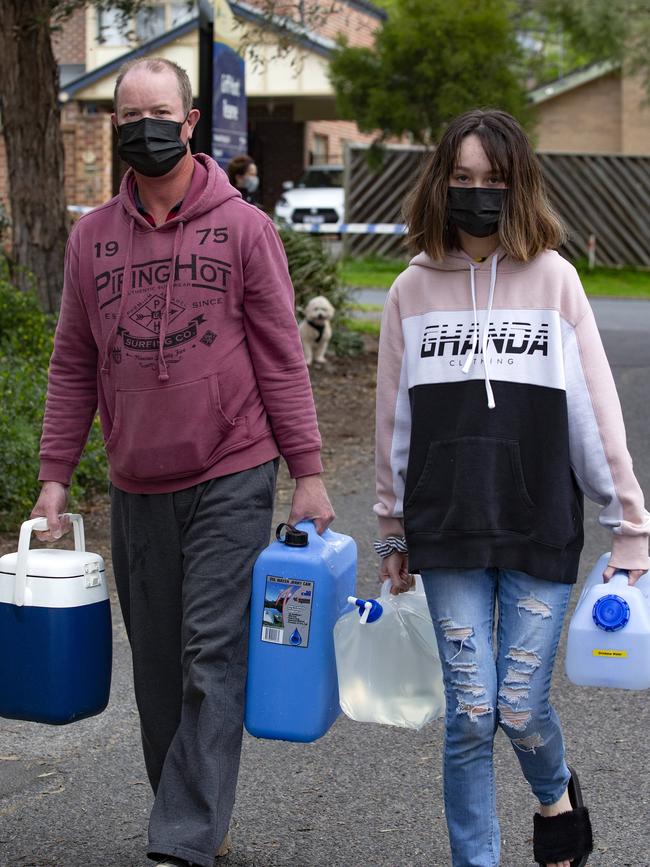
x: 149, y: 23
x: 112, y: 28
x: 321, y: 149
x: 180, y: 12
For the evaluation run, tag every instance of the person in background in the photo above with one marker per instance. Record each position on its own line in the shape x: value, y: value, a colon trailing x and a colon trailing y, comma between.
x: 242, y: 174
x: 496, y: 412
x: 177, y: 321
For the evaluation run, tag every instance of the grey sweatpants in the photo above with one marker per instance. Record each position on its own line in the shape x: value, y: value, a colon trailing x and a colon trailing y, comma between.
x: 182, y: 564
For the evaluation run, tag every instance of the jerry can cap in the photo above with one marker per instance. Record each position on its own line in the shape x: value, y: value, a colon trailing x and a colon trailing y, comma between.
x: 611, y: 612
x: 293, y: 537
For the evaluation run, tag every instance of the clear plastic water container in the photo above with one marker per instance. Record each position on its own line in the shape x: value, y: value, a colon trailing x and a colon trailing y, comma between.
x: 387, y: 660
x: 301, y: 584
x: 609, y: 634
x: 55, y: 631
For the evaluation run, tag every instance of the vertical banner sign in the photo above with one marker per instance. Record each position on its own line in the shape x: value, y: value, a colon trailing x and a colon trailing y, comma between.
x: 229, y: 120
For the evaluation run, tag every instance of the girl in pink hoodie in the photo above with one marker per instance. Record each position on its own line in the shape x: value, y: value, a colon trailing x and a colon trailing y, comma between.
x: 496, y: 411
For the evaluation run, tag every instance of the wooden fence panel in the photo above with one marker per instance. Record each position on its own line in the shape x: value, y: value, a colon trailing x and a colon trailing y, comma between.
x: 607, y: 196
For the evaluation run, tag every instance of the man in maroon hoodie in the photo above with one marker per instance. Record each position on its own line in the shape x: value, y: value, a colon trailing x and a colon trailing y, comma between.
x: 177, y: 323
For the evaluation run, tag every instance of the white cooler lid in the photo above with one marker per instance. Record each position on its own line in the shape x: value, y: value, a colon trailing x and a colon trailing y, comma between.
x: 52, y: 562
x: 55, y: 578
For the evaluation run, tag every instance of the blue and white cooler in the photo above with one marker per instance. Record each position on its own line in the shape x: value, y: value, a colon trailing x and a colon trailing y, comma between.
x: 55, y: 631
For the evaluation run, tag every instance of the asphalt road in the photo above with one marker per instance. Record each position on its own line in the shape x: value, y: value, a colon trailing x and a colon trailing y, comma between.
x: 364, y: 794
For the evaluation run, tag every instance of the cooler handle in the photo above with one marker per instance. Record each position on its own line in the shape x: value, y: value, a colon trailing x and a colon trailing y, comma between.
x: 26, y: 529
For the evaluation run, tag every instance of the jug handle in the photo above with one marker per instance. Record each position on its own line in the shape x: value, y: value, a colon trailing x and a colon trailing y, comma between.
x: 418, y: 587
x: 27, y: 527
x: 617, y: 575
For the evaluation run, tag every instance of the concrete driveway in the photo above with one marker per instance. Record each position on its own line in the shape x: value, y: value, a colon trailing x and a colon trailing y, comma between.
x: 363, y: 795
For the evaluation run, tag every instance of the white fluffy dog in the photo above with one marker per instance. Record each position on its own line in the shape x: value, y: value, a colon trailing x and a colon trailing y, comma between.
x: 315, y: 329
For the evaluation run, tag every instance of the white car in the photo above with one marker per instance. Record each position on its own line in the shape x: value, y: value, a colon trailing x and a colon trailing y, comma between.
x: 317, y: 197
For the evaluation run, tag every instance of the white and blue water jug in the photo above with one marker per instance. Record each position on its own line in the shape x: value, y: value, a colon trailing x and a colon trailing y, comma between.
x: 301, y: 584
x: 609, y: 634
x: 387, y: 660
x: 55, y: 631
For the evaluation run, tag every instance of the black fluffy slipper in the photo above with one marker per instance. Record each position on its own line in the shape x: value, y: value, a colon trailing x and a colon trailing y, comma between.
x: 567, y: 836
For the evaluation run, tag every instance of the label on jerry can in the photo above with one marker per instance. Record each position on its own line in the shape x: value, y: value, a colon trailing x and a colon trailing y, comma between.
x: 287, y: 611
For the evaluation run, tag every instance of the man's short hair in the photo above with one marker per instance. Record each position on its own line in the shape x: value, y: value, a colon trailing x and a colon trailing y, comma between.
x: 158, y: 64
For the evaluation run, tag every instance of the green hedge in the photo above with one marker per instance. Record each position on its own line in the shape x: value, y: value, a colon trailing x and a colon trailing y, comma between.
x: 313, y: 271
x: 26, y: 337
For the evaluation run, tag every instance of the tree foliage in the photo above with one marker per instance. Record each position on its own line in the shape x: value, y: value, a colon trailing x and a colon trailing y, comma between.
x: 432, y: 60
x: 26, y: 338
x: 31, y: 127
x: 617, y: 30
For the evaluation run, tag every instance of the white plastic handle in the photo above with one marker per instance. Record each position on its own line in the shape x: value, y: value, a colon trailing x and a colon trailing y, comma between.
x: 26, y: 529
x: 418, y: 587
x: 619, y: 577
x: 367, y: 608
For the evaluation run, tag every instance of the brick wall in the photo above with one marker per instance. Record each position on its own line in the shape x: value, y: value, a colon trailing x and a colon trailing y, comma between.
x: 357, y: 26
x: 88, y: 143
x: 635, y: 131
x: 337, y: 132
x: 585, y: 119
x: 69, y: 41
x: 344, y: 20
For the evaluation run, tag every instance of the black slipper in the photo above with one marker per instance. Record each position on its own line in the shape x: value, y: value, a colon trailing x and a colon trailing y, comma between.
x: 567, y: 836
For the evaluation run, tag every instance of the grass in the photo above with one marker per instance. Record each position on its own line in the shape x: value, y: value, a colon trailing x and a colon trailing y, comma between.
x: 378, y: 273
x: 362, y: 326
x: 371, y: 271
x: 615, y: 282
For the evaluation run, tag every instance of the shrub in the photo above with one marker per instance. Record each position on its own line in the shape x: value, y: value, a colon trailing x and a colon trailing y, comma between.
x: 314, y: 272
x: 26, y: 338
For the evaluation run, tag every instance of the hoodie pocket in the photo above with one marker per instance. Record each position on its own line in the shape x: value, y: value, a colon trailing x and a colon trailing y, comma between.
x: 171, y: 432
x: 471, y: 485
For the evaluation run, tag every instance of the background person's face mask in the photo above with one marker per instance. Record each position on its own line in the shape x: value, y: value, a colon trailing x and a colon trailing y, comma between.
x: 150, y: 145
x: 251, y: 183
x: 475, y: 210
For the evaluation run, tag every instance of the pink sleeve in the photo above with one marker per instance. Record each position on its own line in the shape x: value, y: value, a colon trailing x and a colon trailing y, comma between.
x: 598, y: 449
x: 393, y: 425
x: 72, y: 382
x: 276, y: 351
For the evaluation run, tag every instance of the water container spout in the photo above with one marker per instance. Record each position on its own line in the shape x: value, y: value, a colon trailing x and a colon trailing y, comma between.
x: 369, y: 609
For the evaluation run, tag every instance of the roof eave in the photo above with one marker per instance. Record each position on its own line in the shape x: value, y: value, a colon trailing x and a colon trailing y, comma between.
x: 572, y: 81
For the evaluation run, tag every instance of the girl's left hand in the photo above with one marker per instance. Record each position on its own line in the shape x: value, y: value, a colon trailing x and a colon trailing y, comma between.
x: 633, y: 574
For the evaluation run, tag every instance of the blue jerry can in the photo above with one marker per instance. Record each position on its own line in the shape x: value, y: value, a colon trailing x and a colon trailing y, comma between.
x: 55, y: 631
x: 301, y: 584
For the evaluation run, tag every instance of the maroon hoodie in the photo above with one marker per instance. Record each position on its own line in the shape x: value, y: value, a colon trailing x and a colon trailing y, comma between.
x: 197, y: 368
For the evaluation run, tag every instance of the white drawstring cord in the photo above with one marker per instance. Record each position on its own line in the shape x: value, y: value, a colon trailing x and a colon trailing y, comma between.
x: 486, y: 335
x: 472, y: 352
x: 484, y: 338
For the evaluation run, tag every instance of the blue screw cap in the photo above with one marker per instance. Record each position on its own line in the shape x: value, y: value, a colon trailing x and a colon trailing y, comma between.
x: 611, y: 613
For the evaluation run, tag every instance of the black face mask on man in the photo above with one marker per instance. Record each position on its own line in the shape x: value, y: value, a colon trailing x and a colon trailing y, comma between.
x: 150, y: 145
x: 475, y: 210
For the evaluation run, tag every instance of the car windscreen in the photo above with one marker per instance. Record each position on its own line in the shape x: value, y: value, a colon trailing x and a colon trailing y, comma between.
x: 322, y: 178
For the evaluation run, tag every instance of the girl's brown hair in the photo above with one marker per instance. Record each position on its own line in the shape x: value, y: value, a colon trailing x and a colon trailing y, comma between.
x: 527, y: 226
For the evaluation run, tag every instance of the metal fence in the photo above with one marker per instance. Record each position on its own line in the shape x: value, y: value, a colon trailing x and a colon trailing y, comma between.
x: 607, y: 197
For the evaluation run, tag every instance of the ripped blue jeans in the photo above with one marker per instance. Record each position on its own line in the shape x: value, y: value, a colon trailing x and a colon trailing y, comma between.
x: 488, y: 687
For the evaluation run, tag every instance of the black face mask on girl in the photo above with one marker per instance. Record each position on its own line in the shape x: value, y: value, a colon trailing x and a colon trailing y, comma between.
x: 475, y: 210
x: 150, y: 145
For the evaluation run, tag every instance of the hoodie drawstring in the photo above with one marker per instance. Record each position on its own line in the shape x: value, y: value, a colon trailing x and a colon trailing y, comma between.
x: 126, y: 279
x: 485, y: 334
x: 163, y: 374
x: 472, y: 352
